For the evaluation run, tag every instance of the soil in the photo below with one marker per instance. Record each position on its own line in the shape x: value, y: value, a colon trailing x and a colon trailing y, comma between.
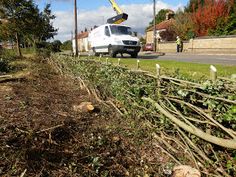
x: 42, y: 135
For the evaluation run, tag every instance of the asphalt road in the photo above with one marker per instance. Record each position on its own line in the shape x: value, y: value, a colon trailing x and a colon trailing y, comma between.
x: 192, y: 58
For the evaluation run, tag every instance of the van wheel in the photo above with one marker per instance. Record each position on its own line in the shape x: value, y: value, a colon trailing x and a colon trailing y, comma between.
x: 134, y: 55
x: 111, y: 52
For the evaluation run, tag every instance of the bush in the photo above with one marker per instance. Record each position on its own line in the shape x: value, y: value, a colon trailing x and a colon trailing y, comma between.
x: 44, y: 49
x: 3, y: 66
x: 6, y: 56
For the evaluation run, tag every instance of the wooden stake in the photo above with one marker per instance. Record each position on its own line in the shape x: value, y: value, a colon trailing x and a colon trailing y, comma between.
x: 106, y: 61
x: 213, y: 73
x: 100, y: 56
x: 158, y: 69
x: 118, y: 61
x: 138, y: 65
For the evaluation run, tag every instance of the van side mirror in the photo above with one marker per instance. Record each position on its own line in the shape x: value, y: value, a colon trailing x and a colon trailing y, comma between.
x: 135, y: 34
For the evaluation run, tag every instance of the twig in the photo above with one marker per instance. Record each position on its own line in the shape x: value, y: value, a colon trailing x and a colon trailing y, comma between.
x: 164, y: 142
x: 23, y: 173
x: 22, y: 131
x: 213, y: 97
x: 227, y: 79
x: 51, y: 128
x: 171, y: 156
x: 181, y: 81
x: 200, y: 152
x: 189, y: 151
x: 6, y: 76
x: 115, y: 107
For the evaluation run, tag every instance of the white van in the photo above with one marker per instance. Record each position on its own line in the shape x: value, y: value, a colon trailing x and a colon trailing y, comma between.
x: 113, y: 39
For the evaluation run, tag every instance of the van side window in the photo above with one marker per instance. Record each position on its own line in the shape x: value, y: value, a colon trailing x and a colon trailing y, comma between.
x: 107, y: 33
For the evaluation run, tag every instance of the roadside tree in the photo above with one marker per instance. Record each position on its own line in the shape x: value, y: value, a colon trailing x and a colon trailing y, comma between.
x: 206, y: 16
x: 183, y: 25
x: 25, y: 22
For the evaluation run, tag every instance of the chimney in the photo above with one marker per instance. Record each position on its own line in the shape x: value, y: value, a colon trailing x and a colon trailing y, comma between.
x: 169, y: 15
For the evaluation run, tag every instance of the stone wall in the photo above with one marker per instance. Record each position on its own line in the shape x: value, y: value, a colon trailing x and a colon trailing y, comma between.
x: 226, y: 44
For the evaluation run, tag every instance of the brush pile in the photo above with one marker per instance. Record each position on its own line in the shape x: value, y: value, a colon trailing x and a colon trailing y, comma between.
x: 196, y: 119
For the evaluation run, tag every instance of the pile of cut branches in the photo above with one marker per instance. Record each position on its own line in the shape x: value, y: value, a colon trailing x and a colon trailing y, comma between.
x: 198, y: 119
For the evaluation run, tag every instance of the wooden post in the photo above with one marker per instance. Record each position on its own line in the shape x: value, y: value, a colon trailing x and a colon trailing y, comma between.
x: 118, y: 61
x: 213, y: 73
x: 76, y: 28
x: 158, y: 69
x: 138, y: 65
x: 100, y: 56
x: 106, y: 61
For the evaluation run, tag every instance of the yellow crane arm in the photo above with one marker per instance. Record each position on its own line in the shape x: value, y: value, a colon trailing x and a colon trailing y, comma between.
x: 121, y: 17
x: 116, y: 7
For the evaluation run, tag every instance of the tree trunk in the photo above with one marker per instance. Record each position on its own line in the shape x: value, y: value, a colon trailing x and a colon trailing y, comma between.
x: 18, y: 46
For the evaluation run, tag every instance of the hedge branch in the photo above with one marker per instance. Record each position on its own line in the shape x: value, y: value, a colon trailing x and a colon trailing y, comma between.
x: 199, y: 111
x: 194, y: 130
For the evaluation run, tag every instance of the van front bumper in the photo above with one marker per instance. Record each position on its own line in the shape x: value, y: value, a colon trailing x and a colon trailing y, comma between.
x: 126, y: 49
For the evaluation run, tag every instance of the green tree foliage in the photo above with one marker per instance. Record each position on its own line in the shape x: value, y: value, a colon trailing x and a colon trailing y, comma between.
x: 46, y: 30
x: 193, y: 5
x: 209, y: 17
x: 67, y: 45
x: 15, y: 12
x: 24, y: 21
x: 228, y: 26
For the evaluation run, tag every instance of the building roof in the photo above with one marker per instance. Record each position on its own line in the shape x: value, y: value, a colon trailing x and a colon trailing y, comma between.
x: 82, y: 35
x: 163, y: 25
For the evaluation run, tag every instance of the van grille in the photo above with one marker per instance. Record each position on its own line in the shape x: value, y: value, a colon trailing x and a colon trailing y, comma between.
x: 126, y: 42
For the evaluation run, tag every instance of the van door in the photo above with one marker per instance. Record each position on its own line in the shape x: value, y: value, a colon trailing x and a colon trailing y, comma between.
x: 107, y: 38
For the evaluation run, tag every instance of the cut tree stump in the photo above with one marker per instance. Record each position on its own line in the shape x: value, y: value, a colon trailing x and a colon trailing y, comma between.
x: 185, y: 171
x: 84, y: 107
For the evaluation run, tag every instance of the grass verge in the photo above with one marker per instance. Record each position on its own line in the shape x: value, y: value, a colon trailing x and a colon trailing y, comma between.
x: 190, y: 71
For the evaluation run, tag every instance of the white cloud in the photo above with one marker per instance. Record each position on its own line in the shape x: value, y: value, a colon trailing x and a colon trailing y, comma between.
x: 139, y: 17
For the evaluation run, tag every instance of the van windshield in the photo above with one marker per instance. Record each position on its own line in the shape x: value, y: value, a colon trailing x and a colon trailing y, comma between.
x: 120, y: 30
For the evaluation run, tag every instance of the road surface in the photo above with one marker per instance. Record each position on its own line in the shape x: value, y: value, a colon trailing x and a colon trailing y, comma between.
x: 192, y: 58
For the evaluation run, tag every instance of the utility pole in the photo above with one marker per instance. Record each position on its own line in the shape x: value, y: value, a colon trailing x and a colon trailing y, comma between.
x: 154, y: 23
x: 76, y: 30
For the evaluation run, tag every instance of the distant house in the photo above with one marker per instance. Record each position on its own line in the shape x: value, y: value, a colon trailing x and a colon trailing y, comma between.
x: 163, y: 29
x: 83, y: 44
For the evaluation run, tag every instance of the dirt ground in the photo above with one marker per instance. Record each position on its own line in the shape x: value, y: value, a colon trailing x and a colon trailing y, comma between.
x: 42, y: 135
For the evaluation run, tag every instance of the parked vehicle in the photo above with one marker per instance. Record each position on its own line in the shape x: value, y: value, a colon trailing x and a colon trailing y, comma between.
x: 148, y: 47
x: 113, y: 39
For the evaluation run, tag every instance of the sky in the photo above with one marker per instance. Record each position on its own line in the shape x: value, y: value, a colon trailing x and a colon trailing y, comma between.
x: 96, y: 12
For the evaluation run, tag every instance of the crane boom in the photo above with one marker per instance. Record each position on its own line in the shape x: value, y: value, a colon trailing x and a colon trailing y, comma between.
x: 121, y: 17
x: 116, y: 7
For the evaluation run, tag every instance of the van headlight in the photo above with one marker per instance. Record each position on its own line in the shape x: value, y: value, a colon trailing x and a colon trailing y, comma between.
x: 118, y: 41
